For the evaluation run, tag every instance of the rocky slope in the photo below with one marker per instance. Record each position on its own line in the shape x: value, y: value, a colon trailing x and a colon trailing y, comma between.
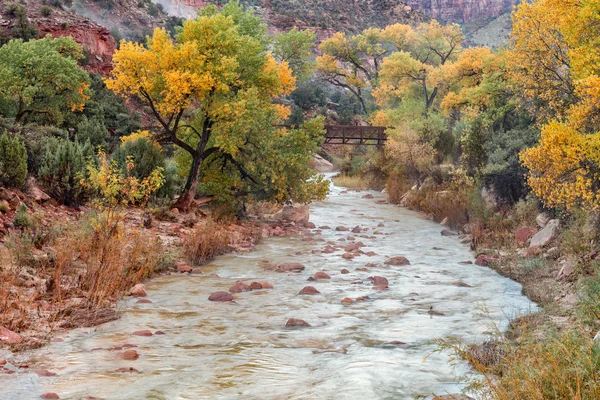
x: 463, y: 10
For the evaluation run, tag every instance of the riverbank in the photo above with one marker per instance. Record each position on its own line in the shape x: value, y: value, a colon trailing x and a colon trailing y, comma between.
x: 65, y: 268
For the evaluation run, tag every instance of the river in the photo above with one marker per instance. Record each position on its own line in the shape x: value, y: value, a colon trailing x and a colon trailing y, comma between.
x: 243, y: 349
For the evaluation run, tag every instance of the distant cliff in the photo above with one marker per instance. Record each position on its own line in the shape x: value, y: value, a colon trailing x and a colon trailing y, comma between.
x: 463, y: 10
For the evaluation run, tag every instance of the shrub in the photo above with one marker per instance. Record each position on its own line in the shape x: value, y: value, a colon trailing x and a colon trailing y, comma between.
x: 45, y: 11
x: 13, y: 161
x: 351, y: 182
x: 205, y: 242
x: 145, y: 153
x: 4, y: 207
x: 22, y: 217
x: 63, y: 168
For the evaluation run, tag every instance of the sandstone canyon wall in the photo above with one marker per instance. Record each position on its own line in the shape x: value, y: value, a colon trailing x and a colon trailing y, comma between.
x: 463, y: 10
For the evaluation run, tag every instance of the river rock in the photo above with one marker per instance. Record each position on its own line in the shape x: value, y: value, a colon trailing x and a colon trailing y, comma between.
x: 546, y: 235
x: 368, y: 196
x: 381, y: 287
x: 523, y: 235
x: 380, y: 281
x: 138, y: 290
x: 321, y: 275
x: 341, y: 229
x: 320, y: 164
x: 256, y: 285
x: 309, y: 290
x: 347, y: 256
x: 129, y: 355
x: 484, y: 260
x: 183, y: 268
x: 290, y: 267
x: 448, y: 232
x: 44, y: 372
x: 144, y: 301
x: 240, y: 287
x: 266, y: 285
x: 397, y: 261
x: 345, y: 271
x: 461, y: 284
x: 221, y: 297
x: 142, y: 333
x: 294, y: 322
x: 49, y: 395
x: 357, y: 229
x: 10, y: 337
x: 353, y: 247
x: 309, y: 225
x: 347, y: 300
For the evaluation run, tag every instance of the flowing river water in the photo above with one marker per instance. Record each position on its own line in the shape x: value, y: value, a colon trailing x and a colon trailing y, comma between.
x: 243, y: 349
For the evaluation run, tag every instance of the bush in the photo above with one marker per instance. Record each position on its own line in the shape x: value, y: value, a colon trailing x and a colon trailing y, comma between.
x: 63, y: 168
x: 22, y: 217
x: 45, y: 11
x: 205, y: 242
x: 13, y: 161
x: 143, y: 150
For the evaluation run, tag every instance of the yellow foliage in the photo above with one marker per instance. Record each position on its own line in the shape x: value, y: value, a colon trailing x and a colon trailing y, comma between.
x: 117, y: 188
x: 141, y: 134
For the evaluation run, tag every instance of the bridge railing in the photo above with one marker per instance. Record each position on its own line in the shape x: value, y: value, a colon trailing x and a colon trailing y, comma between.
x: 352, y: 134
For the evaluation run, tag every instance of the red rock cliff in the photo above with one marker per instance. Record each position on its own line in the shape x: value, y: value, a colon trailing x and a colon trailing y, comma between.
x: 98, y: 41
x: 463, y: 10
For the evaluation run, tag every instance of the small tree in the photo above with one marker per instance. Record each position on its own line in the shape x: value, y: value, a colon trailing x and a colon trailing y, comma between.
x: 42, y: 79
x: 13, y: 161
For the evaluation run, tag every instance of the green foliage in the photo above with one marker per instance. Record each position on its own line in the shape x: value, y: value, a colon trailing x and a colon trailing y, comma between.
x: 45, y: 11
x: 145, y: 154
x: 173, y: 180
x: 4, y: 207
x: 63, y: 168
x: 13, y: 161
x: 42, y: 78
x: 22, y: 217
x: 294, y: 47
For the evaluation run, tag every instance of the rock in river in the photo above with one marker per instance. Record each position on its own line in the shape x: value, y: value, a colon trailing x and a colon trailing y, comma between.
x: 221, y: 296
x: 309, y: 290
x: 321, y: 275
x: 398, y: 261
x: 240, y: 287
x: 296, y: 322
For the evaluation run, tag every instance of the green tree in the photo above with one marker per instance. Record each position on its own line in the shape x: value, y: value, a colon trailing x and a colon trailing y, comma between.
x: 42, y: 79
x: 13, y: 161
x: 294, y: 47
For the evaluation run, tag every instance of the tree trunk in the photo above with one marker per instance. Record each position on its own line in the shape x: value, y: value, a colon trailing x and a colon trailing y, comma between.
x: 186, y: 198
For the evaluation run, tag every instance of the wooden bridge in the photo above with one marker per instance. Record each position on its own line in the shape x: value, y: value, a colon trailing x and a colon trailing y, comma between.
x: 353, y: 135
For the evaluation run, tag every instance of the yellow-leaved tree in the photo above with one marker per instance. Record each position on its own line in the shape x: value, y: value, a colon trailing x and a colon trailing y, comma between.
x: 211, y: 91
x: 564, y: 169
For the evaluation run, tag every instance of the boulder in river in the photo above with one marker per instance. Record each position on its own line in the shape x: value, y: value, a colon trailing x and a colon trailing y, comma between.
x: 294, y: 322
x: 321, y: 275
x: 347, y: 256
x: 341, y: 229
x: 50, y: 395
x: 398, y: 261
x: 309, y: 290
x: 356, y: 229
x: 129, y: 355
x: 144, y: 332
x: 240, y: 287
x: 256, y: 285
x: 183, y: 268
x: 220, y: 296
x: 345, y: 271
x: 10, y: 337
x: 347, y: 300
x: 380, y: 281
x: 138, y: 290
x: 290, y: 267
x: 266, y: 285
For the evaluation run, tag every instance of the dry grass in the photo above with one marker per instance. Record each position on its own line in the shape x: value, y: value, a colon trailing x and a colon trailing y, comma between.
x: 76, y: 279
x: 205, y: 242
x: 106, y: 259
x: 352, y: 182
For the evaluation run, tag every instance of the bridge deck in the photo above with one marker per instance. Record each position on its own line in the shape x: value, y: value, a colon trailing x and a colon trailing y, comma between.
x: 353, y: 135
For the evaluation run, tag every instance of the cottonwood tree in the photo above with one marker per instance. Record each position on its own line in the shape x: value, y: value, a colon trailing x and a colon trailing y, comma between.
x: 41, y: 79
x: 564, y: 168
x: 210, y: 91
